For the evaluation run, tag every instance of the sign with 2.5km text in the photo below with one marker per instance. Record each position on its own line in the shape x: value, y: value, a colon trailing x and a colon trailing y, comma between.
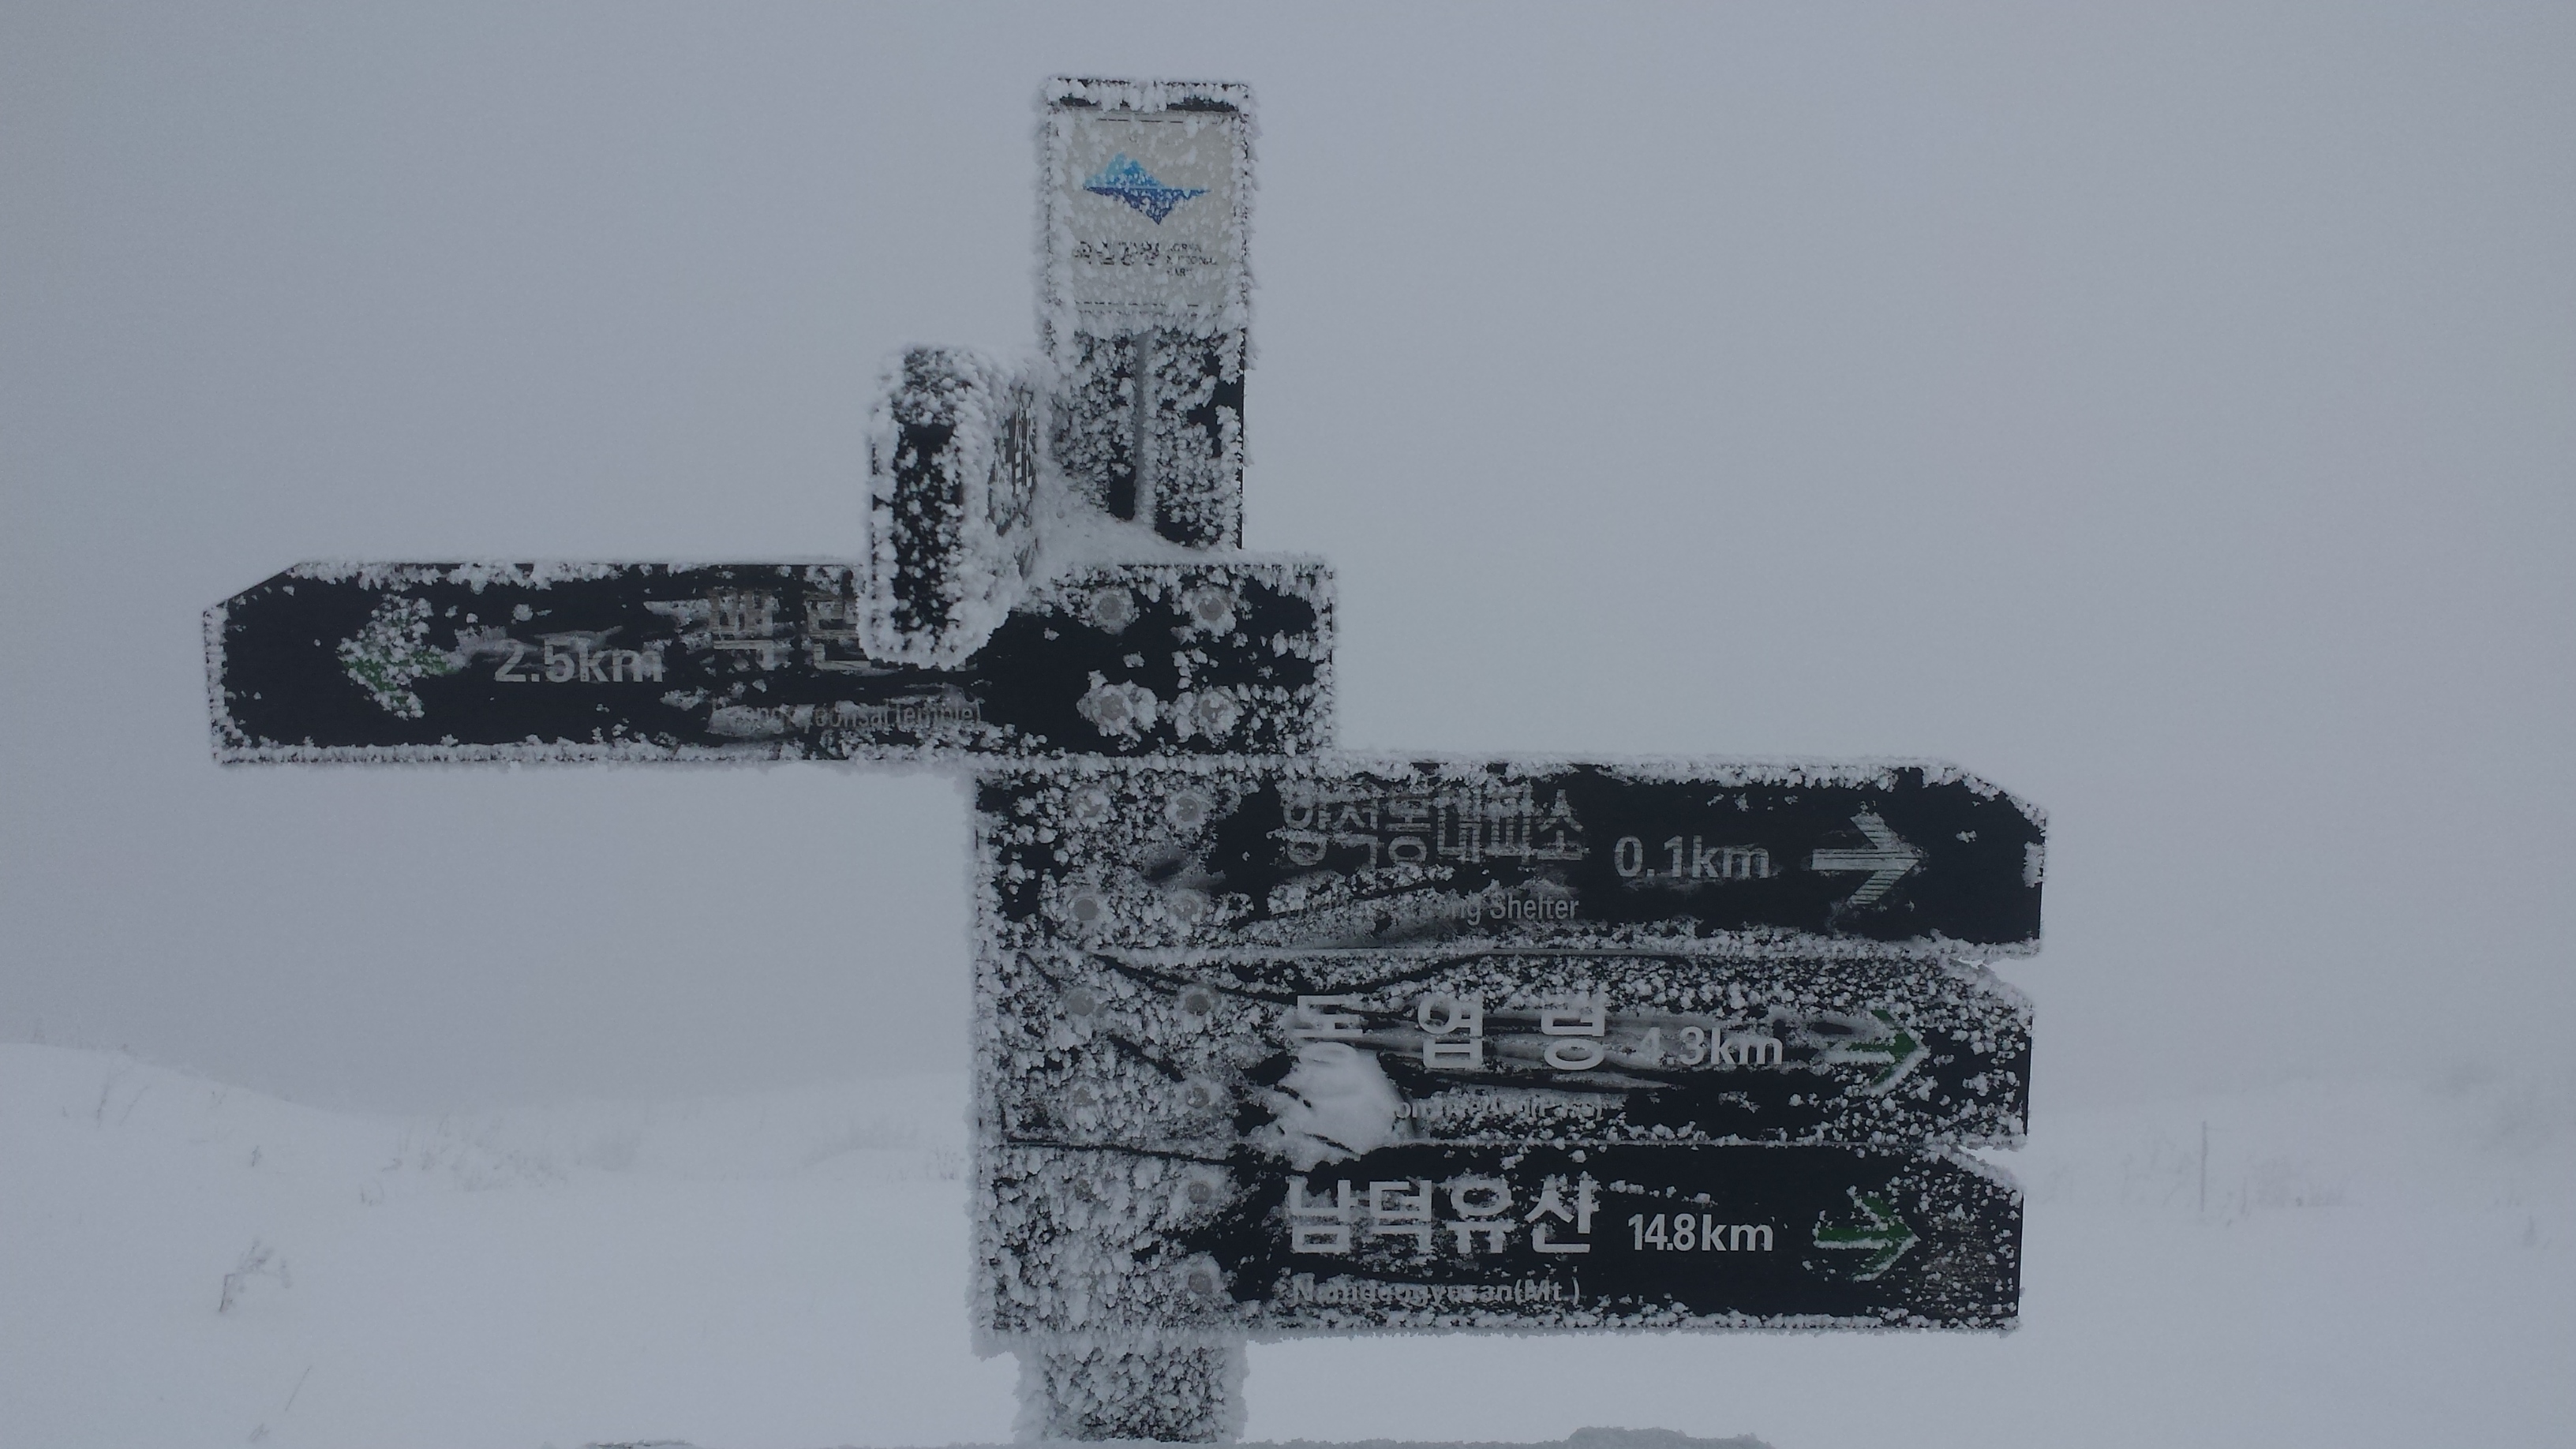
x: 758, y: 661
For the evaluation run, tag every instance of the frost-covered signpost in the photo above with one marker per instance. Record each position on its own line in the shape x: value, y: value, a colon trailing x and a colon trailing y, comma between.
x: 1270, y: 1040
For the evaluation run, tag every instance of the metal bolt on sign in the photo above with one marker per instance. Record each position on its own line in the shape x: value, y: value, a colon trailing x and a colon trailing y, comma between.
x: 1270, y: 1041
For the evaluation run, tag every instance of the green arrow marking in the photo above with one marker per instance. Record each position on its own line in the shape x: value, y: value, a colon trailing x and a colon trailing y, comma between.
x: 1900, y: 1053
x: 1885, y: 1237
x: 392, y: 653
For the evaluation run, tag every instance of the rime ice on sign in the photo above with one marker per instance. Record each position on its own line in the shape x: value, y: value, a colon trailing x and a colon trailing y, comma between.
x: 1172, y: 1391
x: 1333, y: 1045
x: 1080, y: 1243
x: 1216, y: 655
x: 1407, y: 1139
x: 1345, y: 853
x: 952, y: 496
x: 1144, y: 300
x: 1295, y: 1057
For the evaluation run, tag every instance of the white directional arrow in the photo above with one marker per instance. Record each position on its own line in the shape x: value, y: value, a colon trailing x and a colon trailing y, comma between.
x: 1887, y: 860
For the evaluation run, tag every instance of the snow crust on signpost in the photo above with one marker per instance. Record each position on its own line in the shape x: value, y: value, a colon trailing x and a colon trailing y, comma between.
x: 1200, y: 1057
x: 1226, y: 853
x: 1175, y: 1389
x: 1191, y: 651
x: 952, y: 505
x: 1157, y: 1152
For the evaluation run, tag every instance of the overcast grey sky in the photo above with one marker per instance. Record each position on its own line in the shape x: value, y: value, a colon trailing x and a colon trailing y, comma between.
x: 2163, y: 410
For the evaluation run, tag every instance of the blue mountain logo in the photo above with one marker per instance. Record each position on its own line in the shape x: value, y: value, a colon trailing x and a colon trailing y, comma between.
x: 1124, y: 180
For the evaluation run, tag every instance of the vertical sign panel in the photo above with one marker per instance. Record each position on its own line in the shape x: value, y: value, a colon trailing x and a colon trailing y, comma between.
x: 1144, y: 300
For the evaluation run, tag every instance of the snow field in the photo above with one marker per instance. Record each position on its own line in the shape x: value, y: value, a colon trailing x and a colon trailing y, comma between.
x: 2392, y: 1263
x: 784, y: 1270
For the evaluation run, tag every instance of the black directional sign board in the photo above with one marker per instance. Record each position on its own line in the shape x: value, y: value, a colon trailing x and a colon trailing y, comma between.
x: 1425, y: 1236
x: 1294, y: 1056
x: 1332, y: 854
x: 758, y: 661
x: 1387, y: 1140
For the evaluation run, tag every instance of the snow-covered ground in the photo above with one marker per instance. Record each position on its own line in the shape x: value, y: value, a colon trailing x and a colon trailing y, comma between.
x: 2387, y: 1263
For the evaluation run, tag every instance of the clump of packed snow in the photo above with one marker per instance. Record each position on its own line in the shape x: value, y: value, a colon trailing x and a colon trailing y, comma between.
x: 1335, y: 1102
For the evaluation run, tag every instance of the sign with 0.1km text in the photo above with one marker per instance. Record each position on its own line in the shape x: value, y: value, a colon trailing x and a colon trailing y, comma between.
x: 1313, y: 855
